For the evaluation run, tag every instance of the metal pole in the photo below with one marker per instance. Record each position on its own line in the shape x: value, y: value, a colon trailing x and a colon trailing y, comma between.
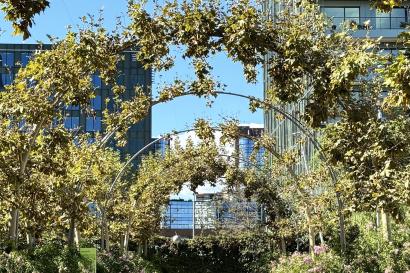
x: 193, y: 217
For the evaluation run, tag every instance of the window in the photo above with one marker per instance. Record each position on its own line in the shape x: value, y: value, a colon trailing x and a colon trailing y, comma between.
x: 7, y: 59
x: 96, y: 102
x: 96, y: 81
x: 391, y: 51
x: 71, y: 122
x: 93, y: 124
x: 72, y: 107
x: 340, y: 15
x: 391, y: 20
x: 6, y: 79
x: 25, y: 58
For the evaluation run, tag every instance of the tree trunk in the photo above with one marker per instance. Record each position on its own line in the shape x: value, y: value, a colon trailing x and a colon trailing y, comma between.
x: 127, y: 236
x: 283, y: 245
x: 322, y: 241
x: 77, y: 237
x: 13, y: 230
x: 107, y: 238
x: 311, y: 232
x: 71, y: 233
x: 386, y: 226
x: 103, y: 229
x: 378, y: 219
x: 342, y: 230
x: 31, y: 239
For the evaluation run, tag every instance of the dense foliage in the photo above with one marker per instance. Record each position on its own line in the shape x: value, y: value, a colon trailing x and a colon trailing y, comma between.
x: 245, y: 252
x: 51, y: 257
x: 56, y: 184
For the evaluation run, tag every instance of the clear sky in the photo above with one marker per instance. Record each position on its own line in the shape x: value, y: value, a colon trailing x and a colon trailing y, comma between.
x: 176, y: 115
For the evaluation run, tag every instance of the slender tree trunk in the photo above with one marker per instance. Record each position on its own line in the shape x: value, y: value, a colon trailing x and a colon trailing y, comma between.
x: 71, y: 233
x: 139, y: 249
x: 311, y: 232
x: 126, y: 242
x: 386, y: 226
x: 342, y: 229
x: 127, y: 236
x: 378, y: 219
x: 283, y: 245
x: 77, y: 237
x: 146, y: 248
x: 104, y: 231
x: 322, y: 241
x: 13, y: 231
x: 107, y: 238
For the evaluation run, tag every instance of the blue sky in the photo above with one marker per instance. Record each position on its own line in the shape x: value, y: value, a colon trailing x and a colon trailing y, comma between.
x: 175, y: 115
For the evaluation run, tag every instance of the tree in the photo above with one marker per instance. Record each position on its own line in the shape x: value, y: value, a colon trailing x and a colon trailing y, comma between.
x: 21, y: 14
x: 33, y: 105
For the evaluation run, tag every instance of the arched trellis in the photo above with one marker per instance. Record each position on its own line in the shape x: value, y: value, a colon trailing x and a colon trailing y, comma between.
x: 267, y: 106
x: 269, y: 149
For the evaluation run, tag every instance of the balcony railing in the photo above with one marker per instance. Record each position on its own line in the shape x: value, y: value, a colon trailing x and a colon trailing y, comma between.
x: 369, y: 23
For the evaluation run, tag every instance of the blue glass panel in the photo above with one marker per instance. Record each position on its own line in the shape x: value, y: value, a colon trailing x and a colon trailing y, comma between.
x: 96, y: 81
x: 7, y: 59
x: 96, y: 102
x: 25, y: 58
x: 6, y: 79
x: 72, y: 107
x: 71, y: 122
x: 93, y: 124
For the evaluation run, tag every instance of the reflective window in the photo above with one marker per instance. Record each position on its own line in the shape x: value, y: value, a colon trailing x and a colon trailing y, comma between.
x: 178, y: 215
x: 341, y: 15
x: 96, y: 81
x: 93, y: 124
x: 6, y: 79
x: 246, y: 148
x: 96, y: 102
x: 7, y: 59
x: 72, y: 107
x: 391, y: 20
x: 25, y: 58
x: 71, y: 122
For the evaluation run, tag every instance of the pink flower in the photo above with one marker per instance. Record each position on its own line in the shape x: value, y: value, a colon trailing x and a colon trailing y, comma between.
x: 295, y: 254
x: 307, y: 260
x: 319, y: 249
x: 388, y: 270
x: 315, y: 269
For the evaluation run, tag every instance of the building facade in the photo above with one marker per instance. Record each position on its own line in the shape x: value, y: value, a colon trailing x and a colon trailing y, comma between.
x: 131, y: 74
x: 161, y: 146
x: 245, y: 145
x: 368, y: 22
x: 206, y: 213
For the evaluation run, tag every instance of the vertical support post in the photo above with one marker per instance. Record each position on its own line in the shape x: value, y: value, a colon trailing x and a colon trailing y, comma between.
x: 193, y: 217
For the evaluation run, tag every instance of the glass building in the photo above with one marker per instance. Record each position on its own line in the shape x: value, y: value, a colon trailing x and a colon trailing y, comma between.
x: 368, y: 22
x: 246, y: 145
x: 178, y: 215
x: 161, y: 146
x: 208, y: 212
x: 131, y: 74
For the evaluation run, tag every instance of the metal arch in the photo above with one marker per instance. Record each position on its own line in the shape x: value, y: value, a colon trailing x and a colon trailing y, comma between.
x: 298, y: 123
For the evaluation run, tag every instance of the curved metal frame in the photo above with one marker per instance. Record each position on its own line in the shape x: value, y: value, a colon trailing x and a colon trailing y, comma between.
x: 298, y: 123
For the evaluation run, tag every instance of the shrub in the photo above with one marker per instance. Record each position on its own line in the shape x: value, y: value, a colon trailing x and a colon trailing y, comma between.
x: 47, y: 258
x: 15, y: 262
x: 115, y: 262
x: 325, y: 261
x: 225, y: 253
